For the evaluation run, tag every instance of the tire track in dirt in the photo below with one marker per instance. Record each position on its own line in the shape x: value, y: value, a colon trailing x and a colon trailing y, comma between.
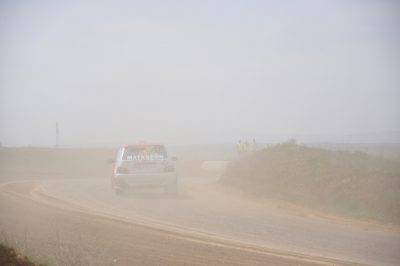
x: 36, y: 193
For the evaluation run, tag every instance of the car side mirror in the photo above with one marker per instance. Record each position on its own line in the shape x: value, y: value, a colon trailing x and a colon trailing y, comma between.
x: 174, y: 158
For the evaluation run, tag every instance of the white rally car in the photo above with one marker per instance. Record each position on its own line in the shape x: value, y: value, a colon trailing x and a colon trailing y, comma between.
x: 144, y: 166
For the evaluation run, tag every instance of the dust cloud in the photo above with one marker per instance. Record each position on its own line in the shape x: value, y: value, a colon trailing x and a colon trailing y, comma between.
x: 192, y: 73
x: 208, y: 133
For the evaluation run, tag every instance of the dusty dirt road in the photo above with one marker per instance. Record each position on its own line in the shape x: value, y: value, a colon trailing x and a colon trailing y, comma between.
x: 67, y: 234
x: 80, y: 221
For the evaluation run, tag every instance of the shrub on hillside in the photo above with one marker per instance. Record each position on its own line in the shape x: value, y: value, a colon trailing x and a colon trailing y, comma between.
x: 350, y: 183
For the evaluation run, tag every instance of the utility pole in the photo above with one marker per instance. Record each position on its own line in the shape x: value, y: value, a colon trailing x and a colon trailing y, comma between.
x: 57, y: 135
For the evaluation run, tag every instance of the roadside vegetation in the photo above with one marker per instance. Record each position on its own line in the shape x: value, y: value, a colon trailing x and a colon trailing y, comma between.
x: 343, y: 183
x: 10, y: 257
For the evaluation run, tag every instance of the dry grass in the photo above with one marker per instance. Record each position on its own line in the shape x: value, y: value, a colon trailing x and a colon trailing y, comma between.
x: 345, y: 183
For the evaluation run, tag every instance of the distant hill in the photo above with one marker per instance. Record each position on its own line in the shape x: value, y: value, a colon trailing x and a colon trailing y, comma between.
x: 346, y: 183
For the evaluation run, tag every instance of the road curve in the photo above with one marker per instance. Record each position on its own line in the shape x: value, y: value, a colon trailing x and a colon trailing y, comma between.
x: 200, y: 214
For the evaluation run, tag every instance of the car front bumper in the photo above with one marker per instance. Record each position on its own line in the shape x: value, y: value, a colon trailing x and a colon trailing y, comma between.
x: 144, y: 180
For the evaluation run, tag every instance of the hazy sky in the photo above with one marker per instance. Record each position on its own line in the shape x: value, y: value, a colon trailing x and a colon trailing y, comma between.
x: 197, y: 71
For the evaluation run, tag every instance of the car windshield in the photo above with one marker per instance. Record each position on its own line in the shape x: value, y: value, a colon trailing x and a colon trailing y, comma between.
x: 144, y: 152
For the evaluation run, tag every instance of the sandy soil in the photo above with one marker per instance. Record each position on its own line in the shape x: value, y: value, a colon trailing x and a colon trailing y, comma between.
x: 81, y: 220
x: 63, y: 233
x: 59, y: 209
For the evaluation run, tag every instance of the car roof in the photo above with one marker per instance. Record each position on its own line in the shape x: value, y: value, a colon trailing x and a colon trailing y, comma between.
x: 141, y: 144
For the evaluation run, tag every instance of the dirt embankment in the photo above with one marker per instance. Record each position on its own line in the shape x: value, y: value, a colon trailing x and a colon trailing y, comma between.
x: 344, y: 183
